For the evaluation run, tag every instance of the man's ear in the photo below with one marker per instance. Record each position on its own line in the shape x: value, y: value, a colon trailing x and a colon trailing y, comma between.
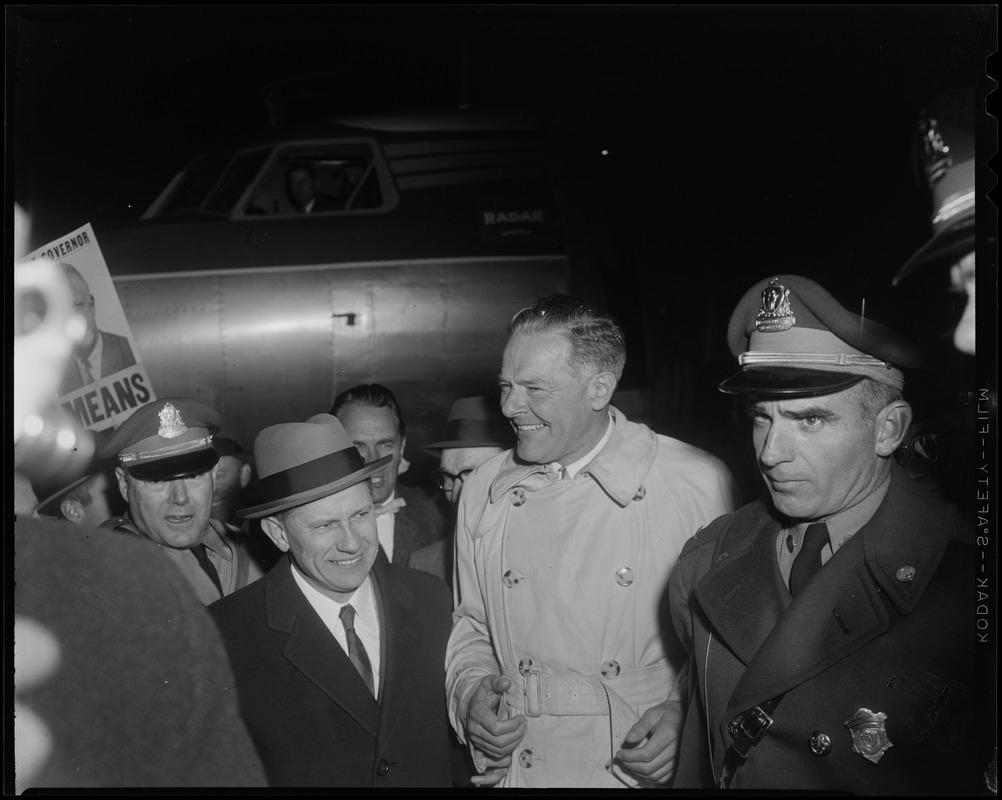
x: 123, y: 487
x: 600, y: 389
x: 72, y: 511
x: 891, y: 425
x: 273, y: 530
x: 245, y: 475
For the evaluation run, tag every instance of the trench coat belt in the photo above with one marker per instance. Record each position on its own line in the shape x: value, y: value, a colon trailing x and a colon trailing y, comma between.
x: 587, y: 695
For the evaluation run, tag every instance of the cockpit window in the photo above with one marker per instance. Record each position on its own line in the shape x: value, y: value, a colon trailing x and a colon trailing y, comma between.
x: 321, y: 178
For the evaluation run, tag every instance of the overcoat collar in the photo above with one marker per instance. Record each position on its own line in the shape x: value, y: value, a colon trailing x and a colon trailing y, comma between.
x: 620, y: 468
x: 316, y: 654
x: 785, y: 642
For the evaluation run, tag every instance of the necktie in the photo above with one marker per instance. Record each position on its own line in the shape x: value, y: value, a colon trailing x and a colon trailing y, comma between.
x: 808, y: 560
x: 88, y: 373
x: 203, y: 561
x: 356, y: 651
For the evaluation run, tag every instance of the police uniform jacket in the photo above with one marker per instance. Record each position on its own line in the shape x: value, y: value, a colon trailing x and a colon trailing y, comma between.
x: 234, y: 563
x: 311, y: 716
x: 558, y: 588
x: 885, y: 628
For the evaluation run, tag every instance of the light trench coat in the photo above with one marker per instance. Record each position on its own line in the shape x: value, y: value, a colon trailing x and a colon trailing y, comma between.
x: 560, y: 586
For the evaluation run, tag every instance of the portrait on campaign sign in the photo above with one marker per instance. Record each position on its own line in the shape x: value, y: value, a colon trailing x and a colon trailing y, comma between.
x: 105, y: 380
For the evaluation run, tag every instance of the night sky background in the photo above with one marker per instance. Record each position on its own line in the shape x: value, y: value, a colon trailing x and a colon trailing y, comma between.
x: 742, y: 140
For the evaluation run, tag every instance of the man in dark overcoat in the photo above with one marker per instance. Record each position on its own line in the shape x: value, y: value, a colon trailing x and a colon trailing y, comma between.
x: 830, y: 623
x: 339, y: 658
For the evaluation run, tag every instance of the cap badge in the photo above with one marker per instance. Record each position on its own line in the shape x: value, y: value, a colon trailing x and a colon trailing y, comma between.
x: 935, y: 152
x: 171, y: 424
x: 869, y: 734
x: 775, y: 314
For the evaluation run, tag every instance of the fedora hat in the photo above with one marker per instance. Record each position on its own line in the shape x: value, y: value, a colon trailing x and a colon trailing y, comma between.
x: 299, y: 462
x: 473, y: 422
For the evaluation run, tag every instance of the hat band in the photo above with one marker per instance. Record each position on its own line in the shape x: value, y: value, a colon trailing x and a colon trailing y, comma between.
x: 953, y: 207
x: 164, y: 452
x: 313, y: 474
x: 816, y: 359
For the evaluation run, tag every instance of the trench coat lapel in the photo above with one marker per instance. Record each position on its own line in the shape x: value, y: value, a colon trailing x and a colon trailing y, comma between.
x: 313, y: 651
x: 400, y: 631
x: 743, y: 594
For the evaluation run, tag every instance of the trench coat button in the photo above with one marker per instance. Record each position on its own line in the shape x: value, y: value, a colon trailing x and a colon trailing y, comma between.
x: 641, y: 493
x: 382, y: 767
x: 508, y: 580
x: 610, y: 668
x: 525, y: 666
x: 525, y: 758
x: 518, y: 497
x: 905, y: 574
x: 820, y: 743
x: 624, y: 576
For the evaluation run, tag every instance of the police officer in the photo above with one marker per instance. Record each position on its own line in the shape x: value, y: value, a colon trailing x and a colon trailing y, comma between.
x: 166, y: 474
x: 945, y: 155
x: 829, y: 627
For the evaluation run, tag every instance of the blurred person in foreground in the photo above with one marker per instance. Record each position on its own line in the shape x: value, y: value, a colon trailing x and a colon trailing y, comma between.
x: 945, y: 156
x: 120, y: 677
x: 474, y: 434
x: 408, y: 518
x: 829, y: 623
x: 558, y: 674
x: 338, y: 655
x: 166, y: 473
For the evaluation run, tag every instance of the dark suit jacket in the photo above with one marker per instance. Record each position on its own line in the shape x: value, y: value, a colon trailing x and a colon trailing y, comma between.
x: 887, y: 625
x: 116, y: 355
x: 311, y: 717
x: 425, y: 519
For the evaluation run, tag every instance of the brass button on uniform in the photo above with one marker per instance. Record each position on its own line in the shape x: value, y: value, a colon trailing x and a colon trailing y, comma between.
x: 382, y: 767
x: 525, y: 758
x: 518, y: 497
x: 905, y: 574
x: 610, y: 668
x: 624, y: 576
x: 820, y: 743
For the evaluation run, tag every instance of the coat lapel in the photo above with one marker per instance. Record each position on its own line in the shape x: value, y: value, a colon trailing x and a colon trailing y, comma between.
x: 743, y: 594
x: 845, y: 605
x: 312, y: 649
x: 400, y: 633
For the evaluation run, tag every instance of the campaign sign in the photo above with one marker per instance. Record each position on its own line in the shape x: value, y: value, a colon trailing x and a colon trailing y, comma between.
x: 105, y: 380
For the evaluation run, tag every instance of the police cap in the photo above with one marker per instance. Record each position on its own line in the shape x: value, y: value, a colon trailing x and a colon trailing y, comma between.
x: 166, y: 439
x: 792, y: 338
x: 944, y: 156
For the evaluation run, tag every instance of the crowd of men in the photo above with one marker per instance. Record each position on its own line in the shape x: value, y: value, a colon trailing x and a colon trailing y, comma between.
x: 587, y: 603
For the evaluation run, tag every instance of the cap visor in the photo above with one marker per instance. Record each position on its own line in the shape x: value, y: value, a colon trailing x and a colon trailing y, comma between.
x: 944, y: 248
x: 180, y: 466
x: 788, y: 381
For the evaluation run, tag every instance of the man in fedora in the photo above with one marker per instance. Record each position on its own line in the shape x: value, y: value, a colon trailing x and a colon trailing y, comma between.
x: 830, y: 623
x: 166, y: 473
x: 339, y: 657
x: 474, y: 434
